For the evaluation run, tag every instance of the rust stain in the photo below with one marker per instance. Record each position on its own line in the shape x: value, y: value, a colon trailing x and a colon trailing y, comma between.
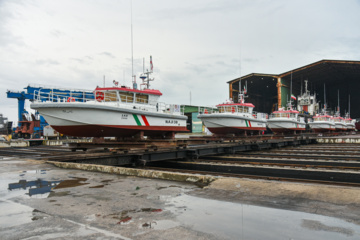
x: 71, y: 183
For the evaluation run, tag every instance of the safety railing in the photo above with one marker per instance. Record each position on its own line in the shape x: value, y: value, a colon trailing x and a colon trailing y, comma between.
x: 118, y: 100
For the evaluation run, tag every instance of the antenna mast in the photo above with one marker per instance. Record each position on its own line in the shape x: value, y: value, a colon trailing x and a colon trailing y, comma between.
x: 324, y: 97
x: 132, y: 50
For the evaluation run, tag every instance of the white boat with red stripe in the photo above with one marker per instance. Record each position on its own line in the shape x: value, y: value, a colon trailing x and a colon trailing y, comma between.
x: 286, y: 121
x: 234, y: 118
x: 114, y: 112
x: 322, y: 123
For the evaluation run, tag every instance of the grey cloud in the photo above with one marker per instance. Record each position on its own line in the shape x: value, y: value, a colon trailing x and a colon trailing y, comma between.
x: 46, y: 62
x: 107, y: 54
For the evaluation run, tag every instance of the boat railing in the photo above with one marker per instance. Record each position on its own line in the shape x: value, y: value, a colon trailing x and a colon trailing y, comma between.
x: 260, y: 116
x: 285, y: 115
x: 139, y: 103
x: 62, y: 96
x: 207, y: 110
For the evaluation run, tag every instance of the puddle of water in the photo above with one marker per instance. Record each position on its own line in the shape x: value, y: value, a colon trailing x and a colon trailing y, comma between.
x: 239, y: 221
x: 124, y: 217
x: 160, y: 225
x: 36, y: 187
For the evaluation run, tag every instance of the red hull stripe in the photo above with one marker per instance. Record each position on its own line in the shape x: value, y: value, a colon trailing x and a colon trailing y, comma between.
x: 230, y: 130
x: 249, y: 123
x: 287, y: 129
x: 322, y: 129
x: 115, y: 130
x: 145, y: 120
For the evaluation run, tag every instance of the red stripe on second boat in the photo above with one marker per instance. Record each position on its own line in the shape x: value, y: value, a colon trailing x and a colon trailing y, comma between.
x: 145, y: 120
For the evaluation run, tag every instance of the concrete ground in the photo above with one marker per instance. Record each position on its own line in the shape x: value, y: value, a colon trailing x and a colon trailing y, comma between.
x: 41, y: 201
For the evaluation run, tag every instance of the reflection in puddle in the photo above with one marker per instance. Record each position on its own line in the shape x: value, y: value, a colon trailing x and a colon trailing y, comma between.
x: 239, y: 221
x: 35, y: 187
x: 161, y: 224
x: 123, y: 217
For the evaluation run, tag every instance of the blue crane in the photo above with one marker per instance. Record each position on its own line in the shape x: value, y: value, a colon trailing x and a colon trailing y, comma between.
x: 34, y: 127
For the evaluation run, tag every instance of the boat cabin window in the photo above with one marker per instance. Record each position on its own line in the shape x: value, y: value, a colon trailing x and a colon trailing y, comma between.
x: 110, y: 96
x: 141, y: 98
x: 126, y: 97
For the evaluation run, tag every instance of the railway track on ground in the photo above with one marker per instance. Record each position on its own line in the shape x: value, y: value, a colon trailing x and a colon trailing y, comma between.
x: 329, y: 165
x: 288, y: 160
x: 261, y: 177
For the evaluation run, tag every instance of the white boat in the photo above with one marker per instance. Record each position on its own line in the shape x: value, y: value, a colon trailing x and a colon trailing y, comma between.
x: 349, y: 122
x: 234, y: 118
x: 114, y: 112
x: 340, y: 124
x: 322, y: 123
x: 306, y: 102
x: 286, y: 121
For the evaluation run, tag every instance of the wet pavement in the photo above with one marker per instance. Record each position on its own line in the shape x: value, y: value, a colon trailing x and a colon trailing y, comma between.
x: 41, y: 201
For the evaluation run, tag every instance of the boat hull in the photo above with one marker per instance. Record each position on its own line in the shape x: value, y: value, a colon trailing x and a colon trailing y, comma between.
x: 340, y: 127
x: 278, y: 125
x: 87, y: 120
x: 223, y: 124
x: 350, y: 127
x: 320, y: 127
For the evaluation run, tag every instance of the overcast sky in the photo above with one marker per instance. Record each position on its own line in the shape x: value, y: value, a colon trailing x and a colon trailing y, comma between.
x: 197, y: 45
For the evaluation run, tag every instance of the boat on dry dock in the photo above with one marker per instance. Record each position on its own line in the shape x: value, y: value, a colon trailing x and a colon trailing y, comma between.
x: 286, y: 121
x: 322, y: 123
x: 340, y: 124
x: 114, y: 112
x: 349, y: 122
x: 234, y: 118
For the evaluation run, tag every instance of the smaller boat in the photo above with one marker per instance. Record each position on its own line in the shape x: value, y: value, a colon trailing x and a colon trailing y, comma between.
x: 340, y: 124
x: 234, y: 118
x: 350, y: 123
x: 339, y: 121
x: 323, y: 122
x: 286, y: 121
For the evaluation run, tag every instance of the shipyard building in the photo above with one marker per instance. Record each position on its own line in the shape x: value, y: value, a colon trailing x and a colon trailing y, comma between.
x: 325, y: 79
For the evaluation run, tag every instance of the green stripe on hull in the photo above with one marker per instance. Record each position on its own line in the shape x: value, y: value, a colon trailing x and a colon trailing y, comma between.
x: 247, y: 125
x: 137, y: 120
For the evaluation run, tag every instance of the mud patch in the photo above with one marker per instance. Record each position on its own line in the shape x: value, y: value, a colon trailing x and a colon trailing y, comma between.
x: 99, y: 186
x: 171, y: 186
x: 123, y: 217
x: 59, y: 194
x: 71, y: 183
x: 318, y: 226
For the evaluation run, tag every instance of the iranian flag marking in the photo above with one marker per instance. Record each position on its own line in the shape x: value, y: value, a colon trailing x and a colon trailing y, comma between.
x: 138, y: 122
